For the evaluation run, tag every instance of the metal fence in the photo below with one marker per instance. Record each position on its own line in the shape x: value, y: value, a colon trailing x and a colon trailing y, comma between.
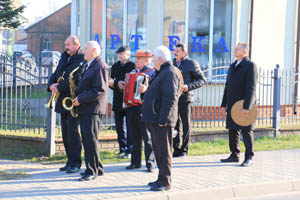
x: 23, y: 95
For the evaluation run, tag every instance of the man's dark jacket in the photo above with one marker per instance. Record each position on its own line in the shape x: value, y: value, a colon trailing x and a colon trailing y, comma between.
x: 118, y: 74
x: 240, y: 85
x: 160, y: 104
x: 93, y: 87
x: 65, y: 65
x: 193, y: 77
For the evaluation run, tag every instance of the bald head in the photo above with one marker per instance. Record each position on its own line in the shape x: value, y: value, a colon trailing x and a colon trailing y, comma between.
x: 92, y: 50
x: 72, y: 45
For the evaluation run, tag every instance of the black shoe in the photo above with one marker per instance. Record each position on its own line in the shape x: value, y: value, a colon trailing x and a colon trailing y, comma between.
x: 247, y: 163
x: 160, y: 188
x: 73, y: 170
x: 132, y: 166
x: 230, y: 159
x: 87, y: 178
x: 152, y: 184
x: 100, y: 173
x: 65, y: 168
x: 177, y: 155
x: 150, y: 169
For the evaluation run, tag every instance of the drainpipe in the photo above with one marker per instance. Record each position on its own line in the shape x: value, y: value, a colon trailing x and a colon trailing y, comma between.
x: 251, y: 27
x: 297, y: 60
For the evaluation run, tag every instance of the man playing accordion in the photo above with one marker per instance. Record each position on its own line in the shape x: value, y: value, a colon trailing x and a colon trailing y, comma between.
x: 135, y: 86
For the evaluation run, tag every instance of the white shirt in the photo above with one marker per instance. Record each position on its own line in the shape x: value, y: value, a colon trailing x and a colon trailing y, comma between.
x: 88, y: 64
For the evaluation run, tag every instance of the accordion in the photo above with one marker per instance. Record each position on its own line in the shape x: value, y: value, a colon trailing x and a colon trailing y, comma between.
x: 132, y: 97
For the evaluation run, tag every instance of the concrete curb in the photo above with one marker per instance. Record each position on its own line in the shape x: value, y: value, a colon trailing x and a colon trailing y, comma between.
x: 229, y: 192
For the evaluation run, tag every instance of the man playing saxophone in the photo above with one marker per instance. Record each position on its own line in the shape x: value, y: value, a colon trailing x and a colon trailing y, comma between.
x: 69, y: 60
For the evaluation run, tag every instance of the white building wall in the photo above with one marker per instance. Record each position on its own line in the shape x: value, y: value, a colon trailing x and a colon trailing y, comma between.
x: 274, y: 33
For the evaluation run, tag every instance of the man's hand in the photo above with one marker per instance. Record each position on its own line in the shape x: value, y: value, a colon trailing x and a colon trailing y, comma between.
x: 160, y: 125
x: 185, y: 88
x: 245, y: 112
x: 53, y: 88
x: 76, y: 102
x: 121, y: 85
x: 142, y: 88
x: 111, y: 83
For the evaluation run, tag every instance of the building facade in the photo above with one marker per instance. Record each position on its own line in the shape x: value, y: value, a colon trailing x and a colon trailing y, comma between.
x: 210, y: 28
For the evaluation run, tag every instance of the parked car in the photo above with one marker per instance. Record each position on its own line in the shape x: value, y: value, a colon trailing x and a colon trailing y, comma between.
x: 24, y: 57
x: 48, y: 57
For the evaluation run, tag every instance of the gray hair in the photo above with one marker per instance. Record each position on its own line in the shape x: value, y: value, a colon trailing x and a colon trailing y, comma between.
x: 245, y: 45
x: 94, y: 45
x: 163, y: 52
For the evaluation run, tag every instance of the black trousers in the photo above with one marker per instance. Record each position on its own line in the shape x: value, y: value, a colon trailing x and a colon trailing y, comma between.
x: 234, y: 142
x: 71, y: 139
x: 181, y: 141
x: 90, y: 127
x: 162, y: 146
x: 123, y: 132
x: 139, y: 132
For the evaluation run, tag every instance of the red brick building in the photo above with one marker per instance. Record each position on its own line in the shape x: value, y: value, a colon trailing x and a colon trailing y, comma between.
x: 50, y: 33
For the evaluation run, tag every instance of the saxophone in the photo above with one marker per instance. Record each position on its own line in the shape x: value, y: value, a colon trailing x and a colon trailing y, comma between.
x: 53, y: 96
x: 67, y: 101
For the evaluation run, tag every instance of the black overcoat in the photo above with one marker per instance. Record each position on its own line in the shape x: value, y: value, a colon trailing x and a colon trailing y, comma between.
x: 240, y: 85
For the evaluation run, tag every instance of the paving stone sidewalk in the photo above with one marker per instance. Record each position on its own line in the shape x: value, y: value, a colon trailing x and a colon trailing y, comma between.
x: 273, y: 171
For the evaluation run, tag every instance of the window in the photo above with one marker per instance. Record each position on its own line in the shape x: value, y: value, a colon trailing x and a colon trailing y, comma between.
x: 47, y: 44
x: 174, y: 22
x: 114, y: 28
x: 96, y: 21
x: 136, y: 25
x: 198, y: 42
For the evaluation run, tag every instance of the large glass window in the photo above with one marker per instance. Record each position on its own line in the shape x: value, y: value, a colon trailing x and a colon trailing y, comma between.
x: 136, y: 25
x: 199, y: 22
x: 114, y: 28
x: 222, y: 29
x: 96, y: 21
x: 174, y: 22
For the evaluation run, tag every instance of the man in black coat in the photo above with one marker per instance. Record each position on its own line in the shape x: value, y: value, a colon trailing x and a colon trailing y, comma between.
x: 193, y: 78
x: 160, y: 113
x: 69, y: 60
x: 91, y: 105
x: 240, y: 85
x: 117, y: 74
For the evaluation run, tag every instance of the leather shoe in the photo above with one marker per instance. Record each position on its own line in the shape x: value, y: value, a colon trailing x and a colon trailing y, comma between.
x: 152, y: 184
x: 160, y: 188
x: 73, y: 170
x: 247, y: 163
x: 132, y: 166
x: 87, y: 178
x: 150, y: 169
x: 177, y: 155
x: 100, y: 173
x: 65, y: 168
x: 230, y: 159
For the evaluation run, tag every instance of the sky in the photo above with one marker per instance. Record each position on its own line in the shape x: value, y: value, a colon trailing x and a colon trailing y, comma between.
x: 38, y: 9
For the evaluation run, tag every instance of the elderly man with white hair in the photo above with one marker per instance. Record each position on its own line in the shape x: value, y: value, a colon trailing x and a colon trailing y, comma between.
x: 91, y: 104
x: 160, y: 113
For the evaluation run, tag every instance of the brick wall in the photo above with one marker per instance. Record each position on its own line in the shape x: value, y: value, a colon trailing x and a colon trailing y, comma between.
x: 56, y: 26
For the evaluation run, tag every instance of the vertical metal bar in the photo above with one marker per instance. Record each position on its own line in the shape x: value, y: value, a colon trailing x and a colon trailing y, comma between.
x: 276, y: 103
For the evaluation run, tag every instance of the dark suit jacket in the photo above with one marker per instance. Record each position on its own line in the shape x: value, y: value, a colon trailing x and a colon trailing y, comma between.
x: 240, y: 85
x: 118, y: 74
x: 67, y: 67
x: 192, y: 76
x: 93, y: 87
